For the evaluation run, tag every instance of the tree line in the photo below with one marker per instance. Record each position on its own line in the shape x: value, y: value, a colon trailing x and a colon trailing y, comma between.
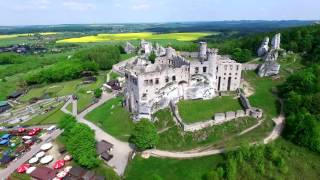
x: 91, y: 59
x: 301, y: 93
x: 250, y: 163
x: 304, y: 40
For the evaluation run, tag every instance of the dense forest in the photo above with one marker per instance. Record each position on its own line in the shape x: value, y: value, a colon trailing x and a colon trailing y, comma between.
x: 301, y: 93
x: 304, y: 40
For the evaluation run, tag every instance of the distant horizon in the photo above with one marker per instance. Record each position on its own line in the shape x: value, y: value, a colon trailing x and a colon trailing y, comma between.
x: 56, y: 12
x: 168, y: 22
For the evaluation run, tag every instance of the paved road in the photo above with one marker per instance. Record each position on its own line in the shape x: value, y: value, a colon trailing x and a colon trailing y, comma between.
x: 121, y: 150
x: 28, y: 155
x: 64, y: 107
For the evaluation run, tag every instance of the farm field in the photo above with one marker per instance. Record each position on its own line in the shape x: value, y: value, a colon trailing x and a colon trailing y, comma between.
x: 136, y: 36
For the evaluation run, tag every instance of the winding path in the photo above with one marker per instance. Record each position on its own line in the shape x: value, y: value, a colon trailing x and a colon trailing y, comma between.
x: 121, y: 150
x: 279, y: 125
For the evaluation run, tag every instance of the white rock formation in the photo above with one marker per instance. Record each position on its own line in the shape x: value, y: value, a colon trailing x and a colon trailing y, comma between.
x: 264, y: 48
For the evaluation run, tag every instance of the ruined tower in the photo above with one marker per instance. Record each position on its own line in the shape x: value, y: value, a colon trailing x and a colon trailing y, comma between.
x: 203, y: 51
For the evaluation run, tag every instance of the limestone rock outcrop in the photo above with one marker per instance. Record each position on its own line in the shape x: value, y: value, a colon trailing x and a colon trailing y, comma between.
x: 270, y: 66
x: 264, y: 48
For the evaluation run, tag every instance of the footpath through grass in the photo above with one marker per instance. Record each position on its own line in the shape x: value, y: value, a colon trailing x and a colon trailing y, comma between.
x: 202, y: 110
x: 175, y: 139
x: 113, y: 118
x: 301, y: 164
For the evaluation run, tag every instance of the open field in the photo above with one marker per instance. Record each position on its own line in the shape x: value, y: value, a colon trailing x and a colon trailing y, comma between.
x: 136, y: 36
x: 263, y: 96
x: 162, y: 168
x: 201, y: 110
x: 113, y: 118
x: 64, y: 88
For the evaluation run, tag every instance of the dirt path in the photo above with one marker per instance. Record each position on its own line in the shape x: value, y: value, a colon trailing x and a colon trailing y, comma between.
x: 279, y: 125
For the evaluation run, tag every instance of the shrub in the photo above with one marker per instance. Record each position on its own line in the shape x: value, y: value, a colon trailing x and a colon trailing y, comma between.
x: 144, y: 135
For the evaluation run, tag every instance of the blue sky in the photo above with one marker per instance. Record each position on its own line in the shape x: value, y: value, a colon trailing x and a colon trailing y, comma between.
x: 32, y: 12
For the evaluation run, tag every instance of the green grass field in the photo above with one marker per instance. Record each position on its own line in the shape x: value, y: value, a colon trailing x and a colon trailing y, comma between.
x: 136, y: 36
x: 302, y: 164
x: 263, y: 97
x: 113, y: 118
x: 201, y: 110
x: 165, y: 119
x: 175, y: 139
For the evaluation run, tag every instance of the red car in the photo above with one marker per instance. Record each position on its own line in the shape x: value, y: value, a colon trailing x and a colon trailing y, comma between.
x: 21, y: 130
x: 34, y: 131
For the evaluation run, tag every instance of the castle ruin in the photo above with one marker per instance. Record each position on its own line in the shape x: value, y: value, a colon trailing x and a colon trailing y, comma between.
x: 173, y: 76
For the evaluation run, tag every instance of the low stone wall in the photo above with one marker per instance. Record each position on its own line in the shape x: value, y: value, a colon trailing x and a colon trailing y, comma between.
x: 219, y: 118
x: 250, y: 67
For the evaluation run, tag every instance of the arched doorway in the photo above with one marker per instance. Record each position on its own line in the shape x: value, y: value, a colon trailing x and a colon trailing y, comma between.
x: 181, y: 88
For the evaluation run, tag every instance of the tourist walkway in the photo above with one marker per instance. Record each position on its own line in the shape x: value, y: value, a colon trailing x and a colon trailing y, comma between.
x: 121, y: 150
x: 276, y: 132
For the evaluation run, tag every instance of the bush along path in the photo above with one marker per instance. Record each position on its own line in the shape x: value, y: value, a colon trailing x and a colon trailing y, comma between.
x: 121, y: 150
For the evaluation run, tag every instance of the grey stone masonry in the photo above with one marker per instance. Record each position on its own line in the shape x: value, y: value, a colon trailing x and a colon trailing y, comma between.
x: 151, y: 86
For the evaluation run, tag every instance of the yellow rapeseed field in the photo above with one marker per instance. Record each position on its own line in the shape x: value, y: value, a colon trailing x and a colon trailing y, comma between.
x: 24, y: 35
x: 136, y: 36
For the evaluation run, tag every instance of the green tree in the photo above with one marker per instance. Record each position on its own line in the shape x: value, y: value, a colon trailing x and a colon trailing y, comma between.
x: 231, y: 169
x: 144, y: 135
x: 80, y: 142
x: 104, y: 56
x: 152, y: 57
x: 98, y: 93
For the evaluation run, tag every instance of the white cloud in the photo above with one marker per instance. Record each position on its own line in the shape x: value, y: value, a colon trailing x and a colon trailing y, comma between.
x: 32, y: 5
x: 140, y: 6
x: 78, y: 5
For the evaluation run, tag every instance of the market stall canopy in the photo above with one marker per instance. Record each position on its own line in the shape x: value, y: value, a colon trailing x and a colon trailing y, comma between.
x: 46, y: 146
x: 33, y: 160
x: 59, y: 164
x: 46, y: 159
x: 67, y: 157
x: 31, y: 169
x: 4, y: 142
x: 5, y: 136
x: 62, y: 174
x: 40, y: 154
